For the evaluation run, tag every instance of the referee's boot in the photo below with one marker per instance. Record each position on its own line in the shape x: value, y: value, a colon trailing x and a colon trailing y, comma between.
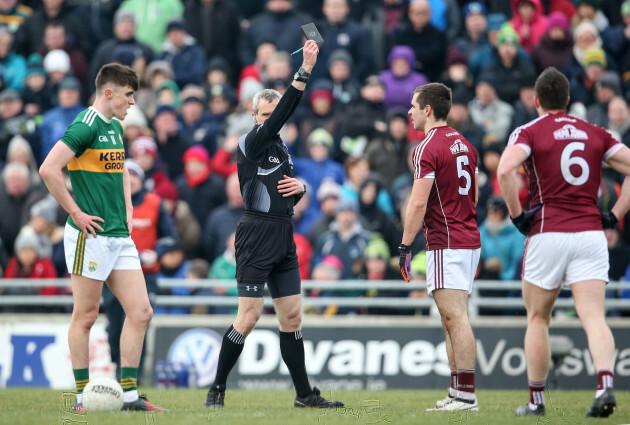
x: 216, y: 397
x: 316, y: 400
x: 603, y: 406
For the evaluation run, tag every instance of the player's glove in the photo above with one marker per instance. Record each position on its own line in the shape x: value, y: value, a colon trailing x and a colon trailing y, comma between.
x: 609, y: 220
x: 524, y: 221
x: 405, y: 261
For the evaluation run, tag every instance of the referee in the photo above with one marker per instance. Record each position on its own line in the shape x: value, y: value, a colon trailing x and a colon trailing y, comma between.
x: 265, y: 250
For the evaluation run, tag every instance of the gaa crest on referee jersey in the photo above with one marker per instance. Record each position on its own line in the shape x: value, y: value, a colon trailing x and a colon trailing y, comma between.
x: 458, y: 147
x: 92, y: 266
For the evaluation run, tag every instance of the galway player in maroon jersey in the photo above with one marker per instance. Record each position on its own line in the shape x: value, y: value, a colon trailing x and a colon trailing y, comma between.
x: 565, y: 244
x: 443, y: 198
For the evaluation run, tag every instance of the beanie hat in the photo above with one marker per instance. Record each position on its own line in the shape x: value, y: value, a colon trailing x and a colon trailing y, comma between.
x: 455, y: 57
x: 558, y: 20
x: 377, y: 248
x: 332, y: 261
x: 320, y: 93
x: 328, y: 188
x: 46, y: 208
x: 135, y: 117
x: 57, y: 60
x: 134, y: 168
x: 320, y: 136
x: 474, y: 7
x: 507, y: 35
x: 340, y: 55
x: 144, y: 145
x: 196, y: 153
x: 595, y: 55
x: 27, y: 238
x: 167, y: 190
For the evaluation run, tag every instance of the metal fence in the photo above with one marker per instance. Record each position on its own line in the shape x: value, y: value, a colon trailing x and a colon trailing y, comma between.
x: 489, y: 296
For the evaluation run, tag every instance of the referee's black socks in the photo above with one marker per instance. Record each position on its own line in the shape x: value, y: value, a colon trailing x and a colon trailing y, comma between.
x: 292, y: 349
x: 231, y: 349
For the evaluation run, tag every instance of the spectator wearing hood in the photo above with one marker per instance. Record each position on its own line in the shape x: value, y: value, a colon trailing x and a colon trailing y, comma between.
x: 185, y: 55
x: 509, y: 73
x: 202, y: 189
x: 374, y: 218
x: 401, y: 79
x: 345, y: 87
x: 590, y: 10
x: 529, y: 22
x: 357, y: 171
x: 43, y: 221
x: 456, y: 74
x: 427, y: 42
x: 583, y: 85
x: 556, y: 46
x: 12, y: 65
x: 171, y: 146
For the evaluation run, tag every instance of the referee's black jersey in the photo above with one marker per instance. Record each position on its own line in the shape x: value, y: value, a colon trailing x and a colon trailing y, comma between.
x: 263, y: 158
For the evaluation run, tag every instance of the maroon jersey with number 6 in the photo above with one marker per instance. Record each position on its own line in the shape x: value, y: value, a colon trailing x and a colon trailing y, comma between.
x: 564, y: 166
x: 450, y: 221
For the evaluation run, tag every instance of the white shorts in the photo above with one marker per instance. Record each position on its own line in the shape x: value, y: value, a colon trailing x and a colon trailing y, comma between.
x: 452, y: 269
x: 97, y: 257
x: 553, y: 258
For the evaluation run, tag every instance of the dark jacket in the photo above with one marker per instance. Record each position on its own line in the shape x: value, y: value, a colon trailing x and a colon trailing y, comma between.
x: 428, y: 44
x: 216, y: 230
x: 509, y: 80
x: 550, y: 52
x: 217, y: 29
x: 105, y: 54
x: 188, y: 62
x: 204, y: 197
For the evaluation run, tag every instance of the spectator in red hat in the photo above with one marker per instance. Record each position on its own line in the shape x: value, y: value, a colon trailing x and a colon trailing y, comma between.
x: 199, y: 186
x: 145, y: 151
x: 457, y: 76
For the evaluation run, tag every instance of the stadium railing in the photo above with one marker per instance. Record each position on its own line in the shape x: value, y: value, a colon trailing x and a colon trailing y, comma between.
x: 510, y: 301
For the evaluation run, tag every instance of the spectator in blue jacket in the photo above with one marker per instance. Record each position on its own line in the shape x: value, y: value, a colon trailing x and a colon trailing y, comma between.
x: 185, y: 55
x: 12, y: 65
x: 56, y: 121
x: 501, y: 243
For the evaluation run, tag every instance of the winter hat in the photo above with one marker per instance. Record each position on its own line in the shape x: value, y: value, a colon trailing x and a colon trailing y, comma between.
x: 124, y: 15
x: 595, y: 55
x: 319, y: 94
x: 35, y: 65
x: 70, y: 83
x: 404, y: 52
x: 176, y: 24
x: 165, y: 108
x: 419, y: 264
x: 507, y: 35
x: 134, y: 168
x: 166, y: 245
x: 373, y: 80
x: 455, y: 57
x: 495, y: 21
x: 196, y: 153
x: 332, y: 261
x: 320, y: 136
x: 377, y: 248
x: 609, y: 79
x: 328, y: 188
x: 127, y: 54
x: 340, y: 55
x: 193, y: 93
x: 249, y: 88
x: 135, y: 117
x: 57, y: 60
x: 144, y: 145
x: 167, y: 190
x: 474, y: 7
x: 27, y: 238
x: 46, y: 208
x: 558, y: 20
x: 346, y: 204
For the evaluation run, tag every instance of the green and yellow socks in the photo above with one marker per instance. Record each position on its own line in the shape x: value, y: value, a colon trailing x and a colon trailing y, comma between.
x: 129, y: 383
x: 81, y: 378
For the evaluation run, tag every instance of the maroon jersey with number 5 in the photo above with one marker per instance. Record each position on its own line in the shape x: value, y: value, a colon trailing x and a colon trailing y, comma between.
x: 450, y: 221
x: 564, y: 166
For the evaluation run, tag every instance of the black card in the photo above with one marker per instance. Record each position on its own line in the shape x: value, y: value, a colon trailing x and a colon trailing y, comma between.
x: 311, y: 32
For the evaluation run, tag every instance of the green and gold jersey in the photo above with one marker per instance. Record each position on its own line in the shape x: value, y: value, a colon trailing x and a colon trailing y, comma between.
x: 96, y: 171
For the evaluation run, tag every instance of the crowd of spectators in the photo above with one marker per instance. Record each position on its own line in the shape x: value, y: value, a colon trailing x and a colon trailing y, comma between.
x: 200, y: 63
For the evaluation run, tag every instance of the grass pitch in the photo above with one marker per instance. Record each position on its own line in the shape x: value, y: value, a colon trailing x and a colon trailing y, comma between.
x: 50, y: 407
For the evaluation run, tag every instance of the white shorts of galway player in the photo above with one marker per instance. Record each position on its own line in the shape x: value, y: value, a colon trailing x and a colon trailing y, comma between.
x: 552, y: 259
x: 452, y: 269
x: 95, y: 258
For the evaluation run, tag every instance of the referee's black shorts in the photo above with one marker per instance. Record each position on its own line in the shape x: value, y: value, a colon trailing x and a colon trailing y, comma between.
x: 264, y: 247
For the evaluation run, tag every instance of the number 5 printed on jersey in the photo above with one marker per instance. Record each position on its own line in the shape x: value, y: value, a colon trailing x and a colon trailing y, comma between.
x: 461, y: 161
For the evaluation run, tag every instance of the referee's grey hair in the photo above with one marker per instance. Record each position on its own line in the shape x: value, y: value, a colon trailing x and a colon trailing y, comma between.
x: 268, y: 94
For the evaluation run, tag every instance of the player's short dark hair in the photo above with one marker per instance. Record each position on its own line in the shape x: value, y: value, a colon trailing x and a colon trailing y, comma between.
x: 552, y: 89
x: 438, y: 96
x: 115, y: 73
